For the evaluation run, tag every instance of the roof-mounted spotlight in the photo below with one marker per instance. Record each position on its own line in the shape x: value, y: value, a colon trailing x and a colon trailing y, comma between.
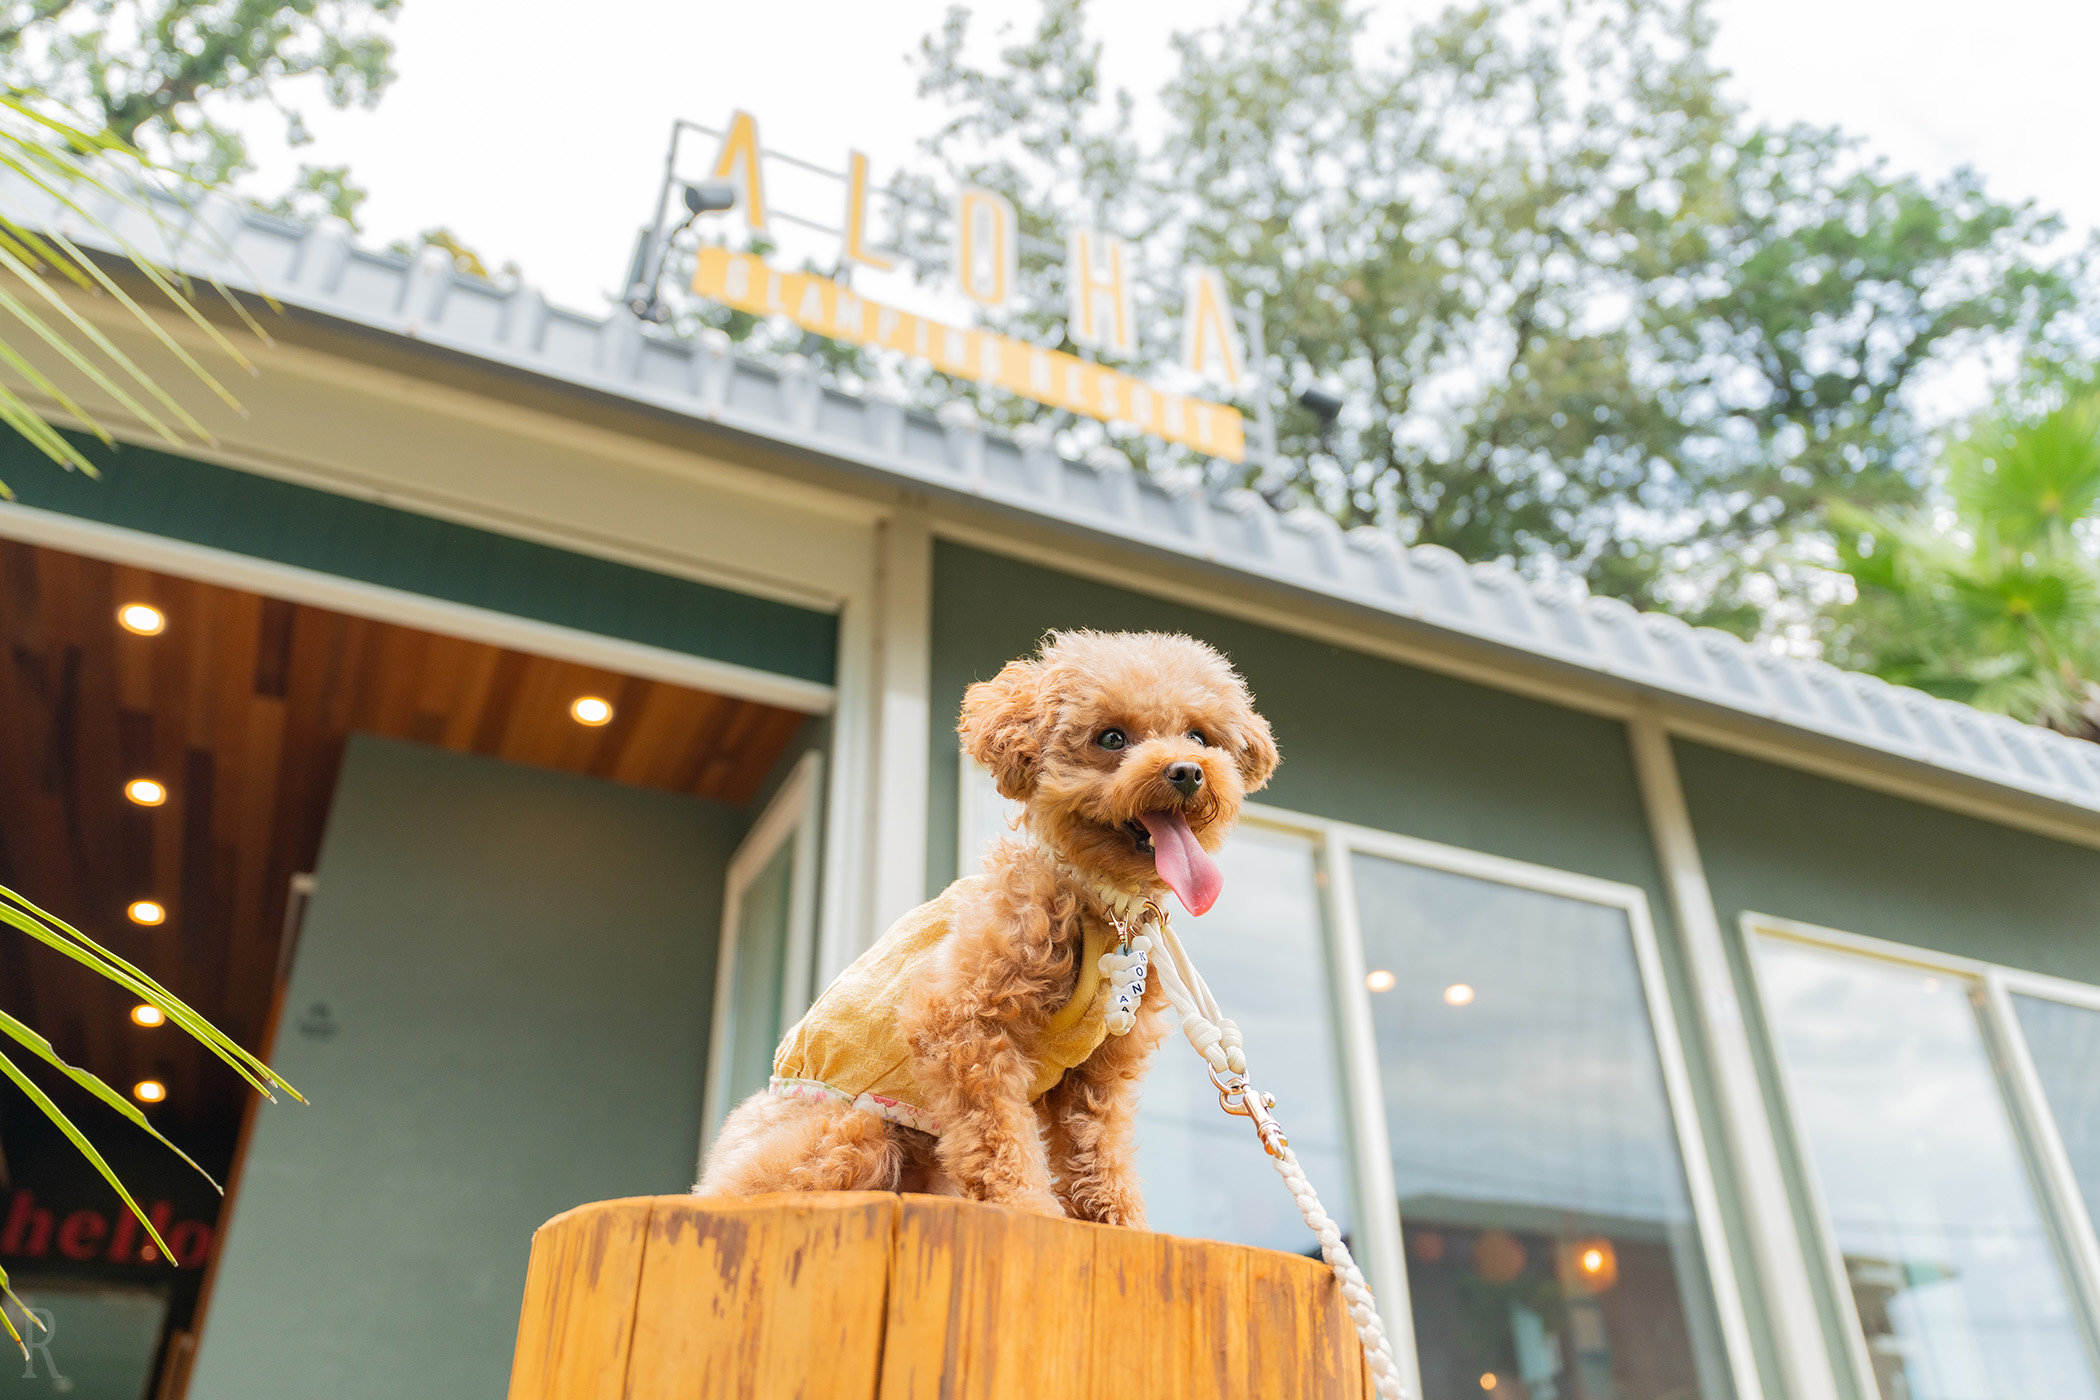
x: 703, y: 197
x: 710, y: 197
x: 1323, y: 404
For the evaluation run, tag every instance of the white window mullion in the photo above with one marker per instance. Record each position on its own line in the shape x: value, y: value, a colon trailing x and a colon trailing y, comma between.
x: 789, y: 825
x: 1698, y: 1170
x: 1825, y: 1243
x: 1781, y: 1264
x: 1377, y: 1199
x: 2035, y: 1123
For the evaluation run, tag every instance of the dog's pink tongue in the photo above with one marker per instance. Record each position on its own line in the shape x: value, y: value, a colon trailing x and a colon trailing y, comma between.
x: 1184, y: 865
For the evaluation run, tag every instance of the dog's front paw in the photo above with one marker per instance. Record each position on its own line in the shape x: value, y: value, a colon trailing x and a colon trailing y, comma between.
x: 1109, y: 1208
x: 1036, y: 1203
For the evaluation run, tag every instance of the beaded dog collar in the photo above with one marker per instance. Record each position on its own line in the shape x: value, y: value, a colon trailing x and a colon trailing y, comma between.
x: 1122, y: 905
x: 1130, y: 913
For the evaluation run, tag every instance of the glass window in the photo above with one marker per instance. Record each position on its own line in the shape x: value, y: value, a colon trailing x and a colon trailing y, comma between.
x: 2064, y: 1041
x: 1552, y: 1252
x: 762, y: 968
x: 757, y: 966
x: 1959, y: 1292
x: 1262, y: 951
x: 97, y: 1342
x: 1260, y: 948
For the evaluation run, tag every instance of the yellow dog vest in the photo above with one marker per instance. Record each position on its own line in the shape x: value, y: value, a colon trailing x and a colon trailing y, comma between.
x: 850, y: 1047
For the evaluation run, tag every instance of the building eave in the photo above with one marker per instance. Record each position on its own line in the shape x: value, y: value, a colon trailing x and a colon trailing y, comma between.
x: 317, y: 271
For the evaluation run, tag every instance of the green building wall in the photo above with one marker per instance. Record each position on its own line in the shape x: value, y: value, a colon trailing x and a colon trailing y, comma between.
x: 1364, y: 740
x: 499, y: 1009
x: 1781, y: 842
x: 181, y: 498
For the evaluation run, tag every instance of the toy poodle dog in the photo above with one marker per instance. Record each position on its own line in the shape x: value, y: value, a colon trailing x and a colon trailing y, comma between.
x: 974, y: 1049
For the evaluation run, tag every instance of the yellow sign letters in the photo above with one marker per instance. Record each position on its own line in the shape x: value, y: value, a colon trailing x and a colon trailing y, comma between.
x: 1103, y: 313
x: 825, y: 307
x: 739, y: 161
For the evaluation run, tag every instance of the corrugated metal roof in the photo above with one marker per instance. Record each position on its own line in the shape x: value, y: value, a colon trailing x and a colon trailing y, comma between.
x: 320, y: 268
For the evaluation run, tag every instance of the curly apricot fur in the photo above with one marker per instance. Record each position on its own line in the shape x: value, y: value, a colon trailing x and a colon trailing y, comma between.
x: 1012, y: 957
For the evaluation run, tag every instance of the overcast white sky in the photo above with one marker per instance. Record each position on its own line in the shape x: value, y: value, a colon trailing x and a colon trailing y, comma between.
x: 535, y: 128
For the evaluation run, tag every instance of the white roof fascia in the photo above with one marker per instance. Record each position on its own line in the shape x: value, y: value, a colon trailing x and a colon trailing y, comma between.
x: 319, y: 269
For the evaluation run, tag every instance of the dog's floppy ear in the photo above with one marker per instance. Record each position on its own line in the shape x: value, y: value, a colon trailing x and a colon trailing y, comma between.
x: 1255, y: 748
x: 1002, y: 726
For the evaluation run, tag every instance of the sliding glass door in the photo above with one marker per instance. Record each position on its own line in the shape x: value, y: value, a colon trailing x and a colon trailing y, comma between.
x: 1926, y: 1101
x: 1553, y: 1249
x: 1264, y: 950
x: 764, y: 965
x: 1476, y: 1063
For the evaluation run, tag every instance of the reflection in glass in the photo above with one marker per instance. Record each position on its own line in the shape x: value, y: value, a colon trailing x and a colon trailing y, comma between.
x: 1959, y: 1293
x: 1549, y: 1233
x: 1261, y: 950
x: 756, y: 970
x: 2064, y: 1041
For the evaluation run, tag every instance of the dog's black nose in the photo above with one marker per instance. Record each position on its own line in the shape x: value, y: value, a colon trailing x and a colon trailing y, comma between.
x: 1186, y: 778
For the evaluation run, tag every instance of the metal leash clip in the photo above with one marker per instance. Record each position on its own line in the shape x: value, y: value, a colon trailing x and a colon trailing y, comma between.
x: 1242, y: 1100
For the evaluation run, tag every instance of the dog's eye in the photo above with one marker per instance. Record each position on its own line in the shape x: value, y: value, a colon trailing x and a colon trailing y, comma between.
x: 1197, y: 735
x: 1111, y: 739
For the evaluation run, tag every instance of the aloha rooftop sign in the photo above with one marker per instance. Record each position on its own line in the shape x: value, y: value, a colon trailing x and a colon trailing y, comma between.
x: 1101, y: 316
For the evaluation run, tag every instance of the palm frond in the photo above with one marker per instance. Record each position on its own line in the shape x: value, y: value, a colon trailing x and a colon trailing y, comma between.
x: 2023, y: 484
x: 55, y: 933
x: 69, y: 166
x: 79, y: 170
x: 79, y: 1140
x: 2000, y: 610
x: 7, y: 1295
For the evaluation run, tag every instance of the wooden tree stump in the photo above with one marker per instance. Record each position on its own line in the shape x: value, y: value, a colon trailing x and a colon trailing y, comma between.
x: 868, y: 1294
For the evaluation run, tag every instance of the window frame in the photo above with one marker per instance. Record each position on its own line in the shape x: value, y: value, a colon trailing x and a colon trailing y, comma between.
x: 2057, y: 1197
x: 1346, y: 839
x: 1379, y: 1245
x: 793, y: 816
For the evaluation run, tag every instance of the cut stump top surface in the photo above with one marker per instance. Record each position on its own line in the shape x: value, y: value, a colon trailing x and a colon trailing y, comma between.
x: 871, y: 1294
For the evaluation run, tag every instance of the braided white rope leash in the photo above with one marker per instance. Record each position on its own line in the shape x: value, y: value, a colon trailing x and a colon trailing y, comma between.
x: 1217, y: 1040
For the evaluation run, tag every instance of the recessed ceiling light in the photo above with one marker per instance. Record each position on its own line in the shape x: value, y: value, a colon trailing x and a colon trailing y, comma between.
x: 591, y: 710
x: 149, y: 1091
x: 1597, y: 1264
x: 1380, y: 981
x: 148, y: 1015
x: 145, y: 911
x: 142, y: 618
x: 1458, y: 994
x: 145, y: 792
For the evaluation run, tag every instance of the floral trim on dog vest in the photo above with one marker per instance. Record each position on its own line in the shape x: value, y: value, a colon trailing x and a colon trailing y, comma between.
x: 880, y: 1105
x: 848, y: 1048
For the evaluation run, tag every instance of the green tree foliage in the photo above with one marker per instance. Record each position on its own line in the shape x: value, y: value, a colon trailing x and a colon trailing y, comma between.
x: 1992, y: 597
x: 320, y: 190
x: 159, y: 74
x: 1038, y: 128
x: 1587, y: 316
